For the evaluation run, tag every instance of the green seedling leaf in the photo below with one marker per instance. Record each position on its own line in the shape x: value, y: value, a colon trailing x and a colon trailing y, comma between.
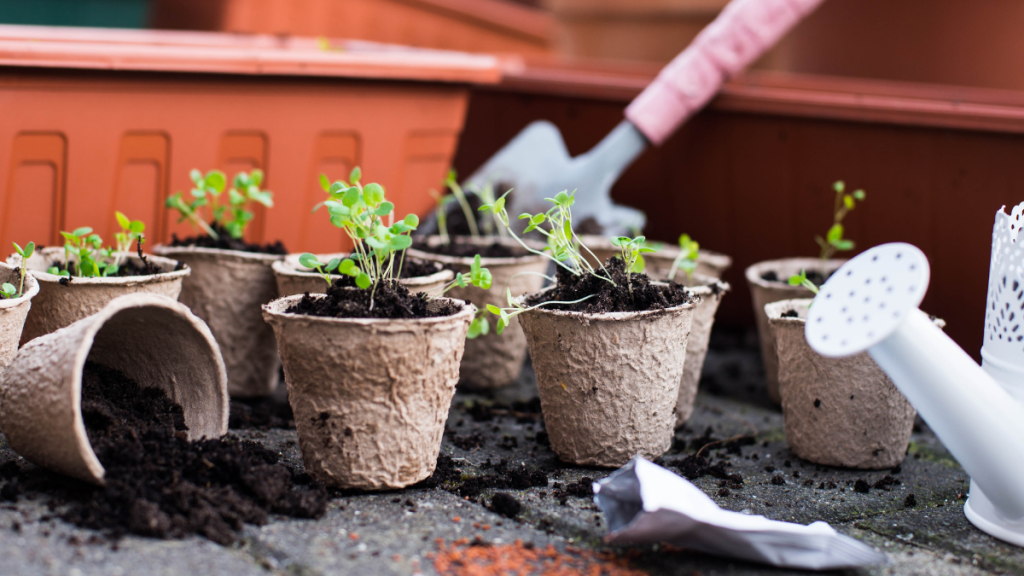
x: 355, y: 175
x: 400, y: 242
x: 351, y: 197
x: 373, y: 193
x: 137, y: 227
x: 333, y: 264
x: 325, y: 183
x: 848, y: 202
x: 123, y: 220
x: 843, y: 245
x: 384, y: 209
x: 859, y: 195
x: 309, y: 260
x: 412, y: 221
x: 839, y: 186
x: 9, y: 290
x: 835, y: 233
x: 30, y: 249
x: 348, y: 268
x: 216, y: 181
x: 363, y: 280
x: 493, y: 309
x: 83, y: 231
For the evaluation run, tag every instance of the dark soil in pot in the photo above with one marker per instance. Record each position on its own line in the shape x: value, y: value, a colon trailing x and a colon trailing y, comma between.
x: 468, y: 250
x: 411, y: 268
x: 813, y: 275
x: 126, y: 269
x: 637, y: 294
x: 226, y: 242
x: 390, y: 301
x: 157, y: 483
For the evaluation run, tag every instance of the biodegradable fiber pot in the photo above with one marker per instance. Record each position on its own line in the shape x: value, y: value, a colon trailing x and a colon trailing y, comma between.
x: 494, y: 360
x: 226, y: 290
x: 837, y: 411
x: 63, y: 301
x: 152, y: 339
x: 13, y: 312
x: 608, y: 382
x: 659, y: 264
x: 711, y: 290
x: 294, y: 278
x: 766, y: 291
x: 370, y: 396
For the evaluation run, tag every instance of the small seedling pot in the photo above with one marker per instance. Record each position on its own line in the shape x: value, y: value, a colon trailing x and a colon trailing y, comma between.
x: 226, y: 289
x: 711, y: 291
x: 152, y: 339
x: 13, y: 312
x: 766, y: 291
x: 493, y: 360
x: 838, y: 411
x: 63, y: 301
x: 370, y: 396
x: 294, y: 278
x: 659, y: 264
x: 608, y: 383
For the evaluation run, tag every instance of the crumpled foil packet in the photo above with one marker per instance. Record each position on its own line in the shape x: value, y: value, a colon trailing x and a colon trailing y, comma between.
x: 646, y: 504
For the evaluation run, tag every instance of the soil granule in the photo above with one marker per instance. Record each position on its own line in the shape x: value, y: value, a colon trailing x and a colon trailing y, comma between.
x: 390, y: 301
x: 411, y: 268
x: 506, y: 505
x: 158, y: 483
x: 226, y: 242
x: 641, y: 297
x: 462, y: 249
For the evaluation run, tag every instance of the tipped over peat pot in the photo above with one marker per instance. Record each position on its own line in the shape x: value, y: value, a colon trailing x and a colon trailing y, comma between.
x: 226, y: 289
x: 711, y: 291
x: 608, y: 382
x: 370, y: 396
x: 492, y: 360
x: 659, y: 264
x: 63, y: 301
x: 294, y: 278
x: 768, y: 282
x: 13, y: 312
x: 152, y: 339
x: 837, y: 411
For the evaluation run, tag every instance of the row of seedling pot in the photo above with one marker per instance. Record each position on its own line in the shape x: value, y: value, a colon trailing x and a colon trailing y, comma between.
x: 374, y: 341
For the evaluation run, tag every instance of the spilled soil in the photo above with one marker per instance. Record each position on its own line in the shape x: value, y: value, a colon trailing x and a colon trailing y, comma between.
x: 391, y: 301
x: 462, y: 249
x: 157, y: 482
x: 226, y: 242
x: 411, y: 268
x: 636, y: 294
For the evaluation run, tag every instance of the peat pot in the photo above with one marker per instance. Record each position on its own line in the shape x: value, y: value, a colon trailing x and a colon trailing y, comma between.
x: 152, y: 339
x: 608, y: 383
x: 226, y: 290
x: 659, y: 264
x: 294, y: 278
x: 837, y: 411
x: 767, y: 291
x: 62, y: 302
x: 13, y: 312
x: 493, y: 360
x: 370, y: 396
x: 711, y: 290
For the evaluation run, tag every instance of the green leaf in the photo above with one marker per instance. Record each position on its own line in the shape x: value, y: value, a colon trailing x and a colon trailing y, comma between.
x: 325, y: 183
x: 363, y: 280
x: 309, y: 260
x: 839, y: 186
x: 400, y: 242
x: 85, y: 230
x: 373, y: 193
x: 333, y: 265
x: 348, y: 268
x: 123, y: 220
x: 524, y: 215
x: 859, y: 194
x: 501, y: 325
x: 619, y: 241
x: 256, y: 177
x: 508, y: 294
x: 460, y: 279
x: 485, y: 280
x: 796, y: 280
x: 18, y: 249
x: 351, y: 197
x: 355, y: 175
x: 384, y: 209
x: 377, y: 244
x: 217, y: 181
x: 644, y: 250
x: 639, y: 265
x: 53, y: 270
x: 848, y: 202
x: 843, y: 244
x: 137, y: 226
x: 196, y: 176
x: 9, y: 289
x: 835, y: 233
x: 494, y: 309
x: 561, y: 198
x: 412, y: 221
x: 30, y: 249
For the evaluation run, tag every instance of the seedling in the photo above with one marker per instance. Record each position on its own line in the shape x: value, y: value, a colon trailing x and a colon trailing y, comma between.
x: 452, y: 182
x: 801, y: 280
x: 689, y: 252
x: 7, y: 290
x: 131, y: 231
x: 632, y: 250
x: 85, y: 248
x: 833, y: 241
x: 486, y: 195
x: 233, y: 216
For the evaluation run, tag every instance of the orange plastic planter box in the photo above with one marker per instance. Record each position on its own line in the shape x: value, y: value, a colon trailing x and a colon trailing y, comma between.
x: 104, y: 120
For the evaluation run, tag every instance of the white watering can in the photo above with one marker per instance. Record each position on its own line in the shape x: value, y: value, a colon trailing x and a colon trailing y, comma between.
x: 871, y: 303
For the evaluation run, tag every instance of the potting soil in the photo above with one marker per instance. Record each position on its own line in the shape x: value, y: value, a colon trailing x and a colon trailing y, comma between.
x: 392, y: 301
x: 637, y: 294
x: 411, y: 268
x: 226, y: 242
x: 815, y: 277
x: 470, y: 250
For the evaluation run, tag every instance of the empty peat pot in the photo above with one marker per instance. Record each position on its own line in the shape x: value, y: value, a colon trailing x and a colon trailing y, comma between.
x: 608, y: 382
x: 711, y: 291
x: 294, y: 278
x: 658, y: 264
x: 226, y: 289
x: 370, y: 396
x: 152, y: 339
x: 764, y: 291
x: 13, y: 312
x: 492, y: 360
x: 837, y: 411
x: 62, y: 301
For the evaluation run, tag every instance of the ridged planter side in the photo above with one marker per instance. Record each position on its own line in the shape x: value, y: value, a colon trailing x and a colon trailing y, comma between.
x: 837, y: 411
x: 370, y: 396
x: 608, y: 383
x: 61, y: 304
x: 294, y: 278
x: 227, y: 289
x: 659, y: 264
x: 711, y: 290
x: 765, y: 292
x: 13, y: 312
x: 494, y: 360
x: 152, y: 339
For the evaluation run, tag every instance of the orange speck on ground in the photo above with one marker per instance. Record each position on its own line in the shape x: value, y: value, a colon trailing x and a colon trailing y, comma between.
x: 457, y: 519
x: 480, y: 558
x: 354, y: 536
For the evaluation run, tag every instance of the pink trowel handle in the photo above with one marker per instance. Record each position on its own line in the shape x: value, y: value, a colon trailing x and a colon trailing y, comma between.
x: 742, y: 32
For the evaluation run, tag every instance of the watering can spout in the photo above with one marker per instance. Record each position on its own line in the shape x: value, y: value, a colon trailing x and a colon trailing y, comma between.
x: 871, y: 303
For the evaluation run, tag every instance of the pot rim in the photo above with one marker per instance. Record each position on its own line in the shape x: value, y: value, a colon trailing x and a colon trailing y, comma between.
x: 275, y: 310
x: 609, y: 316
x: 287, y: 266
x: 774, y: 312
x: 31, y: 289
x: 486, y: 261
x: 160, y: 277
x: 715, y: 259
x: 705, y: 283
x: 754, y: 271
x: 219, y: 253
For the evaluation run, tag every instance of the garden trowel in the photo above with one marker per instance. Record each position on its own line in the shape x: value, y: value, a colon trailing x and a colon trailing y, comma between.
x: 536, y: 164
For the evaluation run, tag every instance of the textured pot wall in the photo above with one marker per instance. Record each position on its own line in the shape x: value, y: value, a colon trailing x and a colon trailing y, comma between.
x: 294, y: 278
x: 59, y: 305
x: 838, y: 411
x: 152, y: 339
x: 226, y: 289
x: 711, y: 292
x: 494, y: 360
x: 370, y: 397
x: 608, y: 383
x: 13, y: 313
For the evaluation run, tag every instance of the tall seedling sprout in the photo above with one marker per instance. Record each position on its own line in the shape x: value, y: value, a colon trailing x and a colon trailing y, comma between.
x: 486, y: 195
x: 85, y: 249
x: 7, y: 290
x: 689, y: 252
x: 833, y: 241
x: 233, y: 216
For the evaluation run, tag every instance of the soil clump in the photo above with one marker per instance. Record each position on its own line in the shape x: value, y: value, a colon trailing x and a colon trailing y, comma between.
x: 390, y: 301
x: 469, y: 250
x: 815, y: 277
x: 226, y: 242
x: 638, y: 294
